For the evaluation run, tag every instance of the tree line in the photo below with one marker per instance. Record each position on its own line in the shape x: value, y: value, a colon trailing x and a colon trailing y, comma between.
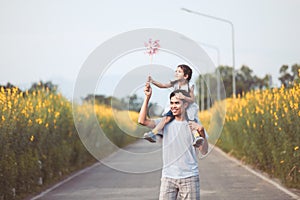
x: 245, y: 81
x: 34, y: 87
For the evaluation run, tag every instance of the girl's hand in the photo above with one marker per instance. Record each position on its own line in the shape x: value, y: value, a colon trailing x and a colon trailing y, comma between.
x: 192, y: 88
x: 150, y: 80
x: 179, y: 95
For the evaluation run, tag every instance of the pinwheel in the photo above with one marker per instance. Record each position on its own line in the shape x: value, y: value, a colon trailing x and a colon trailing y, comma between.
x: 152, y: 48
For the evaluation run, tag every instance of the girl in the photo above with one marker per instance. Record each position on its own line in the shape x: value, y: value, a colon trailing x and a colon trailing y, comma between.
x: 183, y: 75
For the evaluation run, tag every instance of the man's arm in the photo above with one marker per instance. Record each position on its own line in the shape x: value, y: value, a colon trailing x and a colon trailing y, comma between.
x: 204, y: 147
x: 143, y: 120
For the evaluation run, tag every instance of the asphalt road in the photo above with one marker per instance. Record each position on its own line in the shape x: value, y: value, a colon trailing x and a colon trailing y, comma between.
x: 133, y: 173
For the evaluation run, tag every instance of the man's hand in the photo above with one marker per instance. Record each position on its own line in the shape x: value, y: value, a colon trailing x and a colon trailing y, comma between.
x: 148, y: 90
x: 143, y: 120
x: 197, y: 127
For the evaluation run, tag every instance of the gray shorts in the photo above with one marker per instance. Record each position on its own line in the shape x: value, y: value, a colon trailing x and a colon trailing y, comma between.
x: 185, y: 188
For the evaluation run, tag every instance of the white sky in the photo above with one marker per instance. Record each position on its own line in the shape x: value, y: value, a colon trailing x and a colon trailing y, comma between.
x: 49, y: 40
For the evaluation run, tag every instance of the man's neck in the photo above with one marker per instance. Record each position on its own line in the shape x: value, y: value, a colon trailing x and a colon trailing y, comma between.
x: 180, y: 118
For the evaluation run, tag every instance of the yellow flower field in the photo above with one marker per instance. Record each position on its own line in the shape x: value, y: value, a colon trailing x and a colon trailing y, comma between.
x: 262, y: 128
x: 39, y: 141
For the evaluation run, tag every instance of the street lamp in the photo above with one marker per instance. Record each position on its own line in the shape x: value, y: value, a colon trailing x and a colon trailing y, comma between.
x: 232, y: 38
x: 217, y: 63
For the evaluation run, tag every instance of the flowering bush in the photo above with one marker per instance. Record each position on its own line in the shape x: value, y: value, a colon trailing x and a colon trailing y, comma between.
x: 38, y: 140
x: 262, y: 128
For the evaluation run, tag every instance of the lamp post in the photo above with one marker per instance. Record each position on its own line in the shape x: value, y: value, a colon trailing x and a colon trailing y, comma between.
x: 218, y: 74
x: 232, y: 38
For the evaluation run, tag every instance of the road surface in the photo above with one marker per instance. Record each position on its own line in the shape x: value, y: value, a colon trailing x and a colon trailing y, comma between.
x: 115, y: 179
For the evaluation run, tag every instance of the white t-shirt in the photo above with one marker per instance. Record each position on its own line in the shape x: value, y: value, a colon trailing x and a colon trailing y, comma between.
x: 179, y: 155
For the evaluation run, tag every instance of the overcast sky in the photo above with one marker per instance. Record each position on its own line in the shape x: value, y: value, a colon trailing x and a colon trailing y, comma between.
x: 50, y: 40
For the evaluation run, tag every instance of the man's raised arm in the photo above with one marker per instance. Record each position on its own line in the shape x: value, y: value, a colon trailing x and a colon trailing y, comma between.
x: 143, y: 120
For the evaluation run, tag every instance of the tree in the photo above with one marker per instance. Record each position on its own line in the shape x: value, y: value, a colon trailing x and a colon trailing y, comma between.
x: 266, y: 81
x: 286, y: 78
x: 103, y: 100
x: 134, y: 102
x: 245, y: 82
x: 43, y: 86
x: 10, y: 86
x: 296, y: 73
x: 226, y: 75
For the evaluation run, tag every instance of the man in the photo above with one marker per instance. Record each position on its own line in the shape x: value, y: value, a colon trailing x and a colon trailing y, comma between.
x: 180, y: 174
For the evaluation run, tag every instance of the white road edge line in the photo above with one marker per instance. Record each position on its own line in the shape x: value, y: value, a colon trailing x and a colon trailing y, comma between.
x: 65, y: 180
x: 293, y: 195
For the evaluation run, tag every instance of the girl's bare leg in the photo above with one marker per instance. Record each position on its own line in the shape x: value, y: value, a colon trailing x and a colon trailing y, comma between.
x: 151, y: 136
x: 161, y: 124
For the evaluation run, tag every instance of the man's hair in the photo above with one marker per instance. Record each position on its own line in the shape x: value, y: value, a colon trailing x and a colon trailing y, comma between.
x: 184, y: 92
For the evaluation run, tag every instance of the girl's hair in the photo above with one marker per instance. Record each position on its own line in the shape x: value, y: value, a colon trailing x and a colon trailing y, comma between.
x: 186, y: 71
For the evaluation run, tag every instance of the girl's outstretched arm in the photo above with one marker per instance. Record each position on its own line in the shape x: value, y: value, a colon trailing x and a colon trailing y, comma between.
x: 158, y: 84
